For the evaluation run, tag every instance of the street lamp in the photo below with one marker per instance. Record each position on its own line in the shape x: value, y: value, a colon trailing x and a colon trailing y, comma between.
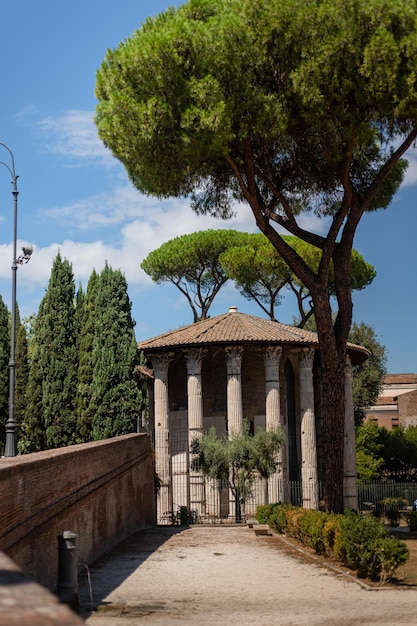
x: 10, y: 449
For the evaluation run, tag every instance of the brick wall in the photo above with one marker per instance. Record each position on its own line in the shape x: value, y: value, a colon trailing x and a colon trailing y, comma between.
x: 407, y: 409
x: 103, y: 491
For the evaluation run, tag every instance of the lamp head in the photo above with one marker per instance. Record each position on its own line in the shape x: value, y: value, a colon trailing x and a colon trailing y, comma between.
x: 27, y: 250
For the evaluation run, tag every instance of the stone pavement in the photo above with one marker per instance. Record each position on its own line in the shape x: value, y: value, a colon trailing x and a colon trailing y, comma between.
x: 228, y: 575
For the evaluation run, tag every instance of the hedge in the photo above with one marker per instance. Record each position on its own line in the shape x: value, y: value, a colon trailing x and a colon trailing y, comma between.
x: 360, y: 543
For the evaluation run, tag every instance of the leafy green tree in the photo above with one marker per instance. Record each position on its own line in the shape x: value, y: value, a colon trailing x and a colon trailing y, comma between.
x: 237, y: 460
x: 191, y: 263
x: 116, y: 399
x: 369, y: 461
x: 369, y: 375
x: 4, y: 369
x: 56, y: 338
x: 383, y: 453
x: 223, y: 99
x: 260, y: 273
x: 85, y: 360
x: 399, y: 451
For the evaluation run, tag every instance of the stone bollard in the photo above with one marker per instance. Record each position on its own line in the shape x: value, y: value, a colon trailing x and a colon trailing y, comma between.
x: 67, y: 586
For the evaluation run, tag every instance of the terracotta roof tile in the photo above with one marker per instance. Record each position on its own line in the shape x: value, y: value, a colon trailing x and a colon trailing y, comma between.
x: 234, y: 327
x: 400, y: 379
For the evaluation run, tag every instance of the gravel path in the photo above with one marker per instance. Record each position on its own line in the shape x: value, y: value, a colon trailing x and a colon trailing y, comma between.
x: 228, y: 575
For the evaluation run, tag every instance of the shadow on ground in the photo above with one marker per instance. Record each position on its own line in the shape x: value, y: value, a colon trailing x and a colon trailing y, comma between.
x: 120, y: 563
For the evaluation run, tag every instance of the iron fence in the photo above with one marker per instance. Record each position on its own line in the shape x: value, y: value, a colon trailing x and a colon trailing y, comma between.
x: 386, y: 495
x: 201, y: 499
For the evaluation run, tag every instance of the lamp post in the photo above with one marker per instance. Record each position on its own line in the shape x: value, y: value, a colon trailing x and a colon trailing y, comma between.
x: 10, y: 449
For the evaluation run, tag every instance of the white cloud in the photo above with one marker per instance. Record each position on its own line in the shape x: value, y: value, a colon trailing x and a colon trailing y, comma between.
x: 74, y: 135
x: 134, y: 226
x: 410, y: 177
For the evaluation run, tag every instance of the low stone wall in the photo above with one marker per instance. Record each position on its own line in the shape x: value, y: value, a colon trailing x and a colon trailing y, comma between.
x: 25, y: 603
x: 103, y: 491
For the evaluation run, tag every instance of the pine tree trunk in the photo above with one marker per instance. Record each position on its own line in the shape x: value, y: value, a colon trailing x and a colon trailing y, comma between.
x: 333, y: 414
x: 333, y: 359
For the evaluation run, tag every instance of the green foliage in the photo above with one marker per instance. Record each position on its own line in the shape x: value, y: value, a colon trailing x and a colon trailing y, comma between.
x: 369, y: 461
x: 22, y: 375
x: 399, y: 451
x: 83, y: 398
x: 191, y: 262
x: 115, y: 395
x: 261, y: 274
x: 412, y: 521
x: 83, y: 383
x: 360, y: 543
x: 223, y: 100
x: 367, y: 376
x: 4, y: 369
x: 264, y: 512
x: 258, y: 271
x: 237, y: 460
x: 33, y: 437
x: 368, y: 549
x: 58, y: 355
x: 386, y: 454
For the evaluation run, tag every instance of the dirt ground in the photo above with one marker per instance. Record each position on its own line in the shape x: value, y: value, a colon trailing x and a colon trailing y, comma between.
x: 228, y: 575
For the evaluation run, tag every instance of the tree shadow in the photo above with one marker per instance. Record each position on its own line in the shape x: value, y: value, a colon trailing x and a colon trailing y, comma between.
x: 99, y: 579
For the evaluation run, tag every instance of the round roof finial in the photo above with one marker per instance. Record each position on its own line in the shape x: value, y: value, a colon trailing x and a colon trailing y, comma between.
x: 233, y: 309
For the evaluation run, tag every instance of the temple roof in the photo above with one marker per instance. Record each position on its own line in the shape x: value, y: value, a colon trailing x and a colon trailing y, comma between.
x: 234, y: 327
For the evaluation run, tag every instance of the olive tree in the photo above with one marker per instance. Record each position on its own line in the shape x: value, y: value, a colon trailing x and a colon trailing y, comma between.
x: 291, y: 106
x: 237, y: 460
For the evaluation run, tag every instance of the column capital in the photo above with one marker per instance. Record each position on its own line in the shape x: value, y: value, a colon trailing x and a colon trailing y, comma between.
x: 160, y: 362
x: 307, y: 357
x: 194, y: 358
x: 234, y: 355
x: 272, y: 355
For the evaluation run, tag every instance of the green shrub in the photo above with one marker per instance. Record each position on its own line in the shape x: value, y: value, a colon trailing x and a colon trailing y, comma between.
x: 331, y: 534
x: 390, y: 554
x: 393, y: 516
x: 412, y: 521
x: 361, y: 543
x: 264, y: 512
x: 367, y: 548
x: 393, y: 504
x: 279, y: 519
x: 311, y: 525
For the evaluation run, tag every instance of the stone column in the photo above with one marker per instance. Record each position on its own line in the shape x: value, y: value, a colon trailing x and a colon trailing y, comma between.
x: 272, y: 358
x: 160, y: 363
x: 309, y: 475
x: 194, y: 358
x: 234, y: 356
x: 350, y: 485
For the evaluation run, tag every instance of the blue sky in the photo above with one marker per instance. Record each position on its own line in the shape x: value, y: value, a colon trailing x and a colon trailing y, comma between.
x: 76, y: 198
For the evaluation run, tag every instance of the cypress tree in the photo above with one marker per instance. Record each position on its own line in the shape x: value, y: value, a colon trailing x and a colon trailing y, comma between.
x: 32, y: 436
x: 22, y: 374
x: 56, y: 337
x: 85, y: 367
x: 116, y: 398
x: 4, y: 369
